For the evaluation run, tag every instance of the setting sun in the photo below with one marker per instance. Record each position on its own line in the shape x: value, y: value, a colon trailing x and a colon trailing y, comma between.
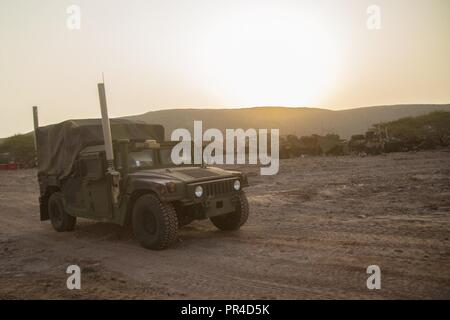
x: 268, y: 56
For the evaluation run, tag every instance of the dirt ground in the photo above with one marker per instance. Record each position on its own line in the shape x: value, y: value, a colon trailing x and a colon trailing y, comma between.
x: 313, y: 230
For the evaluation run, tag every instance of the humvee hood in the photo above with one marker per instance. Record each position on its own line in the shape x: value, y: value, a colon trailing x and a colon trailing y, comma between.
x: 186, y: 174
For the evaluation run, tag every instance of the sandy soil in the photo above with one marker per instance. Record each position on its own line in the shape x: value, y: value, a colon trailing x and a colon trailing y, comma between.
x: 313, y: 230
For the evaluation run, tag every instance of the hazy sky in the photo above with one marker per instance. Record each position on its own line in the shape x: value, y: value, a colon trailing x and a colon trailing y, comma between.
x: 159, y: 54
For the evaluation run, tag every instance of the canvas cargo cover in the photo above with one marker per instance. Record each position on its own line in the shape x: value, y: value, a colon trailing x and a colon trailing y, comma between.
x: 59, y: 144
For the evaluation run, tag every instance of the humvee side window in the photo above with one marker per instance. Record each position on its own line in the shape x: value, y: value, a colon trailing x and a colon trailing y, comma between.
x: 93, y: 168
x: 138, y: 159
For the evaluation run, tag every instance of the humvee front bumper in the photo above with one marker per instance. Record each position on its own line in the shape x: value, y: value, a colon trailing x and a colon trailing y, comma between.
x: 218, y: 206
x: 219, y: 197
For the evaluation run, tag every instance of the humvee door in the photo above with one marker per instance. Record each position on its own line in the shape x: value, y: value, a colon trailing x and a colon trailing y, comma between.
x: 90, y: 193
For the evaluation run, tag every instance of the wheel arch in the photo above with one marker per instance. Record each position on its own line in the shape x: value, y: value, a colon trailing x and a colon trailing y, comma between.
x: 133, y: 197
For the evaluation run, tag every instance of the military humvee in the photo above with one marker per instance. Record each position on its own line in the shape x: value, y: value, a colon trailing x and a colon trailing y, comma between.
x: 145, y: 189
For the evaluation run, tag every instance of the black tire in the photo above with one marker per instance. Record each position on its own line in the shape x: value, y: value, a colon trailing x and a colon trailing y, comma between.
x: 236, y: 219
x: 61, y: 220
x: 155, y: 223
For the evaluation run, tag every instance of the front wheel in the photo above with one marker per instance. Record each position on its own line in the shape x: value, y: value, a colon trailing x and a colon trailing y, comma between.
x: 155, y: 223
x: 233, y: 220
x: 61, y: 220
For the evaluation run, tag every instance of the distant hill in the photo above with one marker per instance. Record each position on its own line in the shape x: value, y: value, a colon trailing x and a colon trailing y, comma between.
x: 298, y: 121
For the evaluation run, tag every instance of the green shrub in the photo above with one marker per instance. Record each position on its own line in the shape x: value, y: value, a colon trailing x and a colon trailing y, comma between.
x: 425, y: 131
x: 19, y: 148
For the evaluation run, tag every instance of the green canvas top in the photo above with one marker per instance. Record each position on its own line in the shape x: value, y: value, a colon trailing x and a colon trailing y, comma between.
x: 59, y: 144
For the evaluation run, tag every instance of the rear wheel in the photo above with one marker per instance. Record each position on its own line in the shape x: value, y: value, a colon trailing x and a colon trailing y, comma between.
x: 61, y: 220
x: 233, y: 220
x: 155, y: 223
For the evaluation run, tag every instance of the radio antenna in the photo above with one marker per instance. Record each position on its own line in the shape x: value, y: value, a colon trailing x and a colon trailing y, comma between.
x: 115, y: 175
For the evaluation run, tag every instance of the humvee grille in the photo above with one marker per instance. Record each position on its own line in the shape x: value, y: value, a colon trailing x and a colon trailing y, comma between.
x: 217, y: 188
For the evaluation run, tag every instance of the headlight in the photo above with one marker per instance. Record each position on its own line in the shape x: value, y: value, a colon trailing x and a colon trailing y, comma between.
x: 237, y: 185
x: 171, y: 186
x: 198, y: 191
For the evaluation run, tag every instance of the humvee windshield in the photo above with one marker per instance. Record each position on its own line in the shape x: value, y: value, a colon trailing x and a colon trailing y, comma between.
x: 165, y: 156
x: 151, y: 157
x: 140, y: 159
